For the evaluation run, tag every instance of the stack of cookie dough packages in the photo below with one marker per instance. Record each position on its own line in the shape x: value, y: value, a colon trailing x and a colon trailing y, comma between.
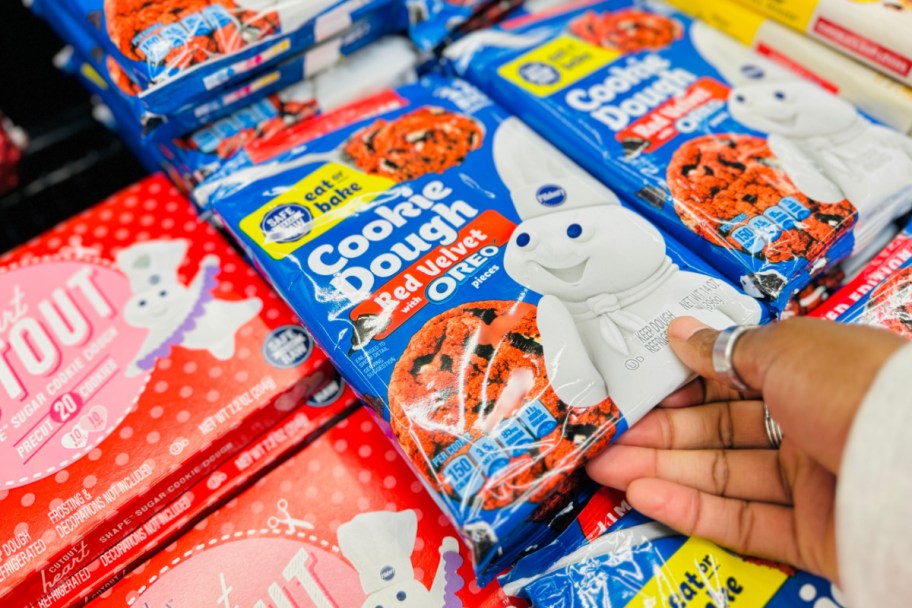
x: 613, y: 556
x: 767, y: 176
x: 179, y: 53
x: 872, y: 31
x: 496, y: 306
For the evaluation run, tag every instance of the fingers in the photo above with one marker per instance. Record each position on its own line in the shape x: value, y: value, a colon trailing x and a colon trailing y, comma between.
x: 717, y: 425
x: 813, y: 374
x: 759, y: 529
x: 701, y: 391
x: 743, y: 474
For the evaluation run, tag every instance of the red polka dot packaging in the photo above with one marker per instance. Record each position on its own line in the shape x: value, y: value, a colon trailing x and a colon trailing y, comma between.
x: 335, y: 400
x: 138, y: 351
x: 769, y: 177
x: 496, y: 303
x: 881, y: 294
x: 343, y: 524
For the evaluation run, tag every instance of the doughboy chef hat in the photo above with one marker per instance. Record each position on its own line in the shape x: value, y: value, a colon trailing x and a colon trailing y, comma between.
x: 152, y: 263
x: 540, y: 178
x: 379, y: 545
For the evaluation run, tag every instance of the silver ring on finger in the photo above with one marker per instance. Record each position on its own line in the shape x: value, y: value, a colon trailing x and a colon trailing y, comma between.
x: 773, y: 430
x: 723, y: 350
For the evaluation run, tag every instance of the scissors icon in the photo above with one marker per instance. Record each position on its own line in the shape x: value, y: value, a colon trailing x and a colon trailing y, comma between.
x: 285, y: 519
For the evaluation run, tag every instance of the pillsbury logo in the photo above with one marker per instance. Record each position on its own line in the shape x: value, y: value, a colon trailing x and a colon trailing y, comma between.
x: 286, y: 223
x: 387, y: 573
x: 754, y: 72
x: 551, y: 195
x: 540, y: 74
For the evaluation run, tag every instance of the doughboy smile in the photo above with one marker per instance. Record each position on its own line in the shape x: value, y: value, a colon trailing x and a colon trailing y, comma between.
x: 568, y: 274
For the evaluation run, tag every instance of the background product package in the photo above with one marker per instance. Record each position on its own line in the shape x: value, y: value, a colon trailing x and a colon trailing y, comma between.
x: 181, y: 51
x: 881, y: 294
x: 431, y: 22
x: 880, y: 96
x: 612, y: 556
x: 758, y: 171
x: 158, y: 127
x: 418, y: 243
x: 873, y: 31
x: 343, y: 523
x: 331, y: 403
x: 139, y: 352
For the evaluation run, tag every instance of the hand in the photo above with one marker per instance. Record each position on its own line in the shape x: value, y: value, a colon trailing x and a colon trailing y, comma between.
x: 701, y: 463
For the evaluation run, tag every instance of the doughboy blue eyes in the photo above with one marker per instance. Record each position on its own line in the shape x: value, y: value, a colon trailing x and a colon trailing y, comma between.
x: 740, y: 98
x: 163, y: 293
x: 523, y: 239
x: 779, y: 95
x: 574, y: 231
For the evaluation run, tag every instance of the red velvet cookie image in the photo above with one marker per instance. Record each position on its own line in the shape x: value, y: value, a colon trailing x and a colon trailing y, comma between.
x: 428, y: 140
x: 627, y: 31
x: 730, y: 190
x: 182, y: 33
x: 890, y: 305
x: 471, y: 403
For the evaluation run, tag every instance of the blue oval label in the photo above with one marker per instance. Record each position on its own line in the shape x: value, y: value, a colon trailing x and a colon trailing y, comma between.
x: 538, y: 73
x: 287, y: 346
x: 286, y: 223
x: 551, y: 195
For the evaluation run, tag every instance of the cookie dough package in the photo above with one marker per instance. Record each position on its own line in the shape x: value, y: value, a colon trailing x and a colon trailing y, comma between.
x: 181, y: 51
x: 881, y: 294
x: 138, y: 351
x: 329, y: 404
x: 343, y: 523
x: 875, y: 32
x: 158, y: 127
x: 612, y: 556
x: 497, y: 305
x: 880, y: 96
x: 431, y: 22
x: 758, y: 171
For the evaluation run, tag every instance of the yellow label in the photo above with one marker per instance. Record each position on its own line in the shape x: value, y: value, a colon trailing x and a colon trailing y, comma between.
x: 311, y: 207
x: 556, y: 65
x: 794, y: 13
x: 727, y: 16
x: 89, y: 73
x: 701, y: 575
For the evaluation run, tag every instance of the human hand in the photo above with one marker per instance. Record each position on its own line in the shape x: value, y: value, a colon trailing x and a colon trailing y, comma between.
x: 701, y: 463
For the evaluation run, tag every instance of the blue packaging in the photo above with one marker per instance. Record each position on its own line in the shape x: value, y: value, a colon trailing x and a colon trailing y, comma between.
x: 682, y: 122
x: 158, y: 127
x: 432, y: 21
x: 411, y: 241
x: 180, y: 52
x: 612, y: 556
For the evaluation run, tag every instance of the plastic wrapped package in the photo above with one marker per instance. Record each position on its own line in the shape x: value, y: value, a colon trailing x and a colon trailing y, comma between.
x: 762, y: 173
x: 226, y: 145
x: 875, y: 32
x: 612, y: 556
x: 141, y: 352
x: 343, y: 523
x: 192, y: 115
x: 881, y: 293
x: 329, y: 404
x: 493, y: 301
x: 880, y: 96
x: 179, y: 52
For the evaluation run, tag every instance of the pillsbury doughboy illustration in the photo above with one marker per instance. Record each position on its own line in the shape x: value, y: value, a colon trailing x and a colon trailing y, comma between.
x: 609, y: 288
x: 380, y: 544
x: 828, y: 149
x: 178, y: 315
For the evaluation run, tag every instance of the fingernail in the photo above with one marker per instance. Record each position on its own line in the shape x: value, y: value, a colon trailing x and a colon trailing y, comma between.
x: 685, y: 327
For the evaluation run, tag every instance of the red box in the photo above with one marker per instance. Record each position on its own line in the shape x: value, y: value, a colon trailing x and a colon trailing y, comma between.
x: 138, y: 351
x: 331, y: 403
x: 344, y: 523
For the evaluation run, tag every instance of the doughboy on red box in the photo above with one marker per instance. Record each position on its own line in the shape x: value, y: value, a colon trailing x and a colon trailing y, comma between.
x: 328, y: 405
x: 138, y: 352
x: 343, y: 524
